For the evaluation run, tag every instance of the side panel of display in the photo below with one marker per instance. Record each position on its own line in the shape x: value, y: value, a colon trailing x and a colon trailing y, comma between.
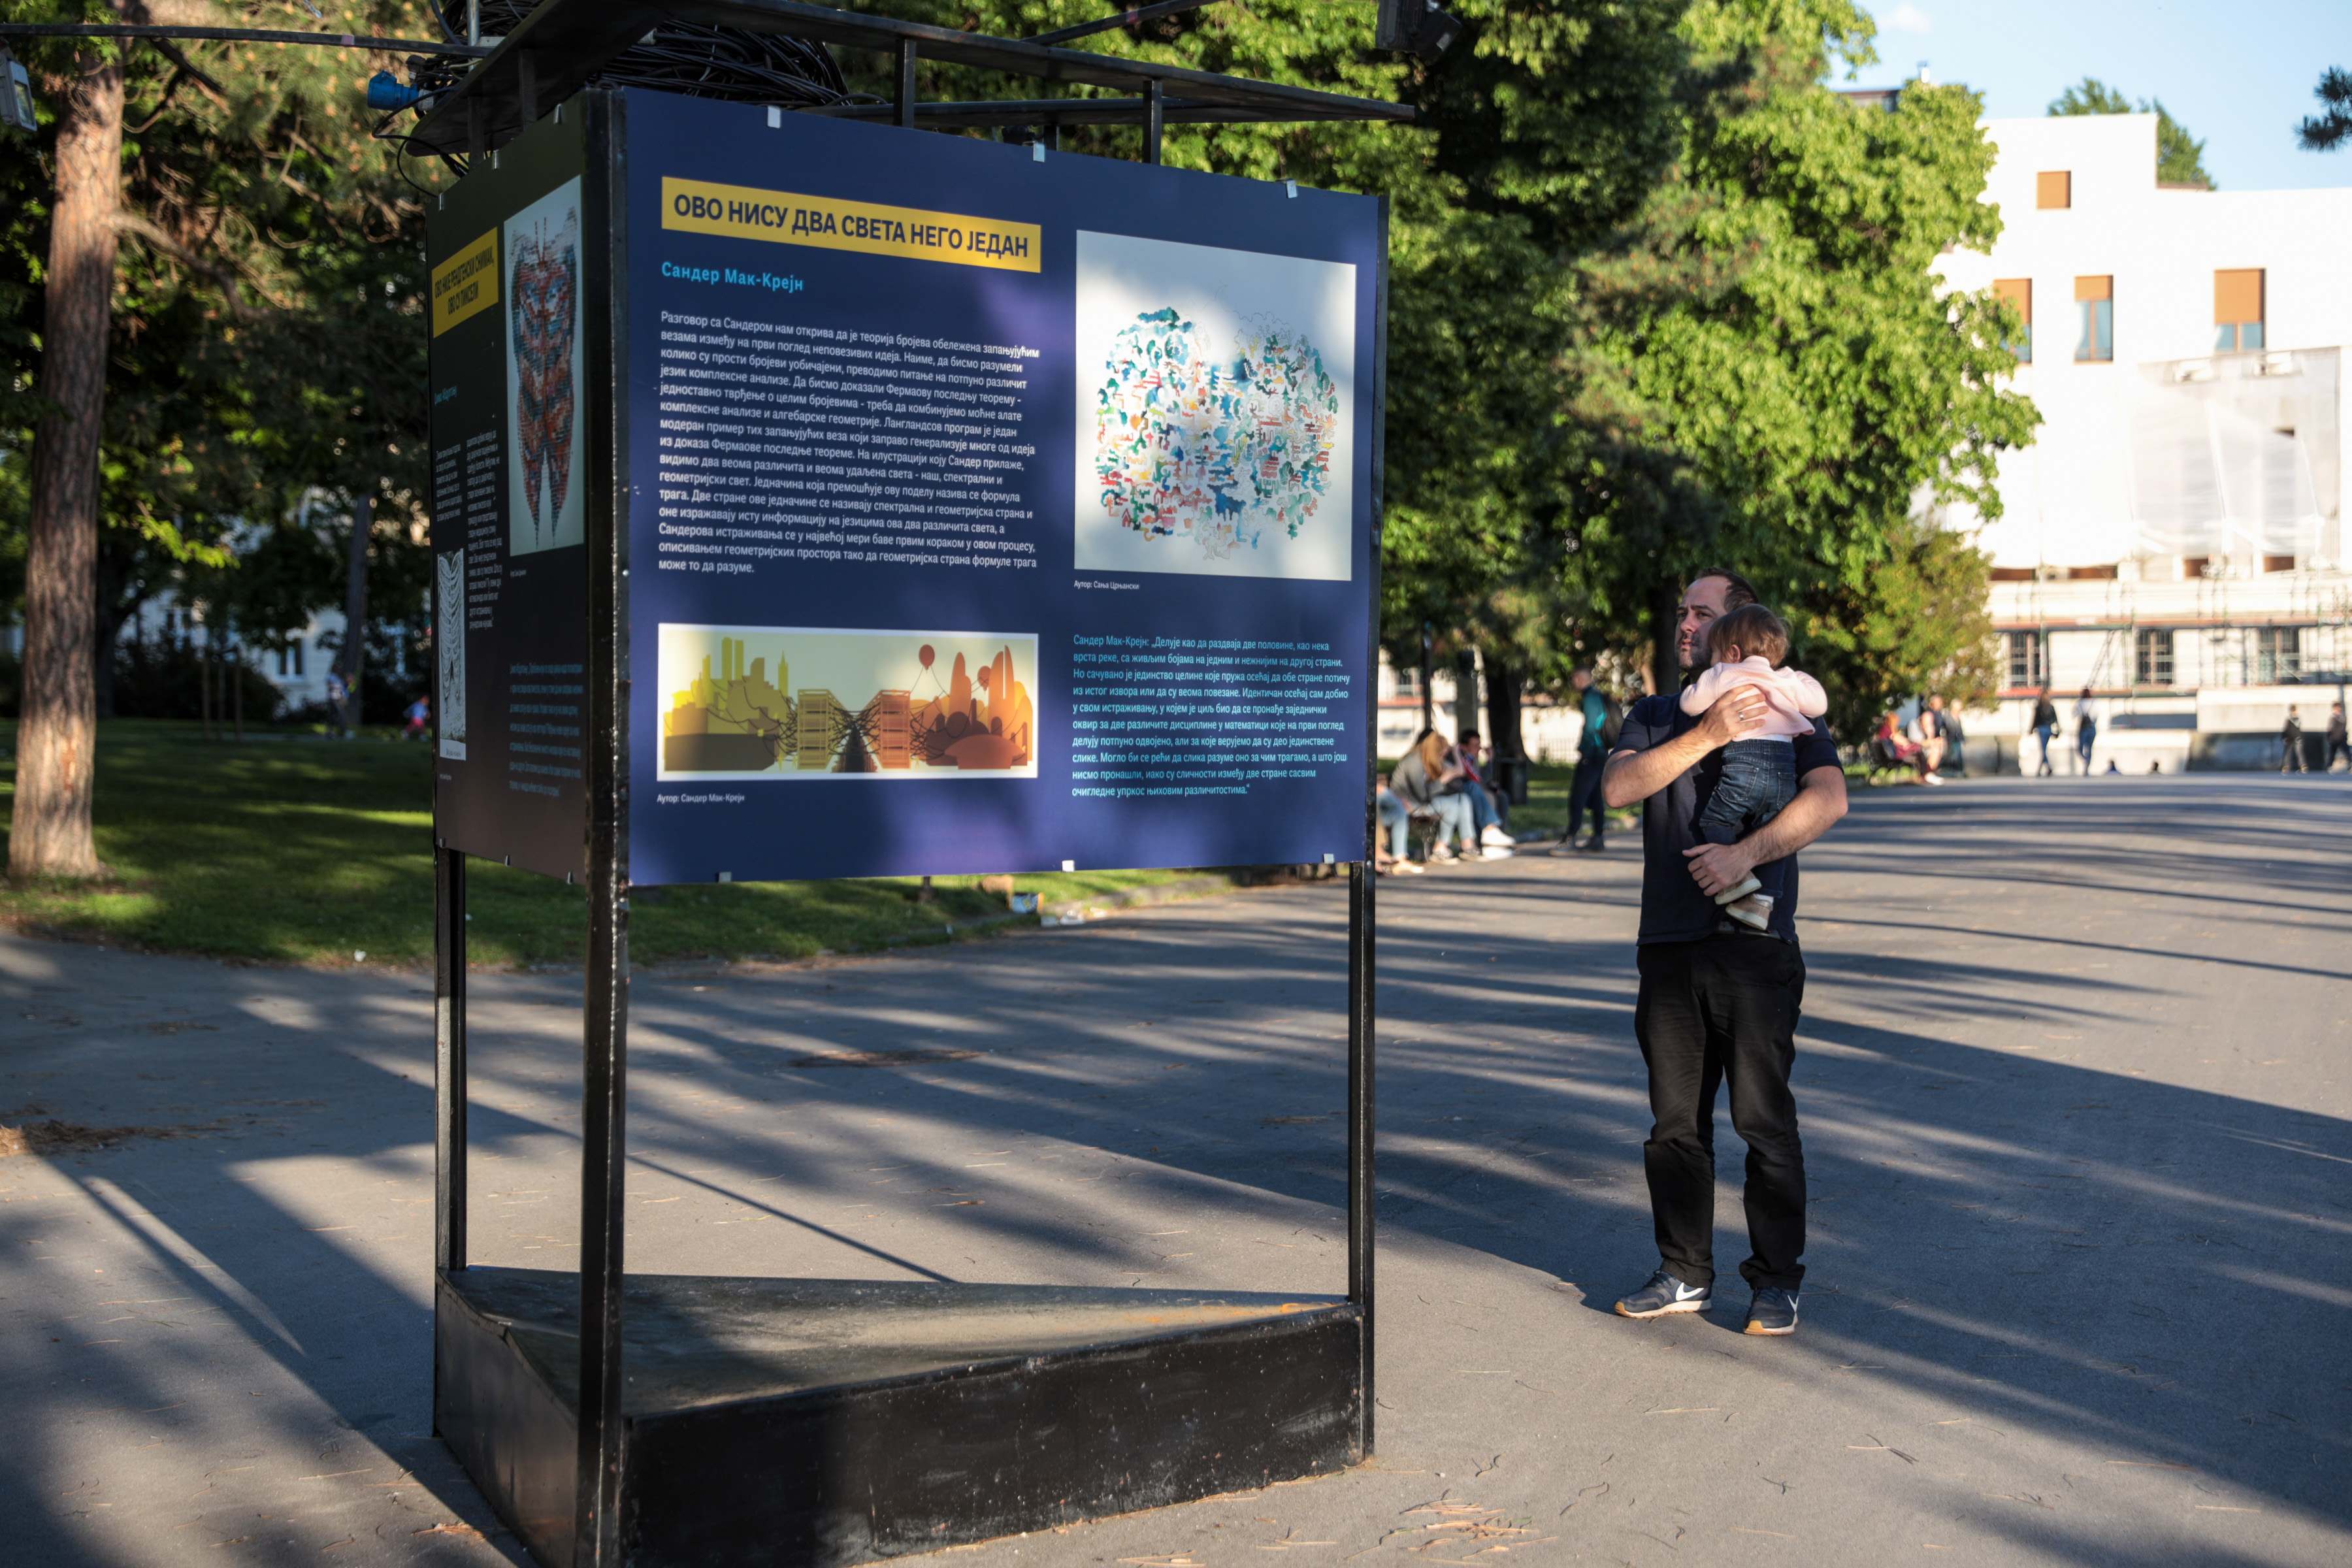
x: 511, y: 411
x: 989, y: 513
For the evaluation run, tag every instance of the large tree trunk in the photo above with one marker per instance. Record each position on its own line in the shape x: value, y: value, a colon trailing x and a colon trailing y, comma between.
x: 1503, y: 710
x: 1428, y: 713
x: 57, y: 735
x: 354, y: 659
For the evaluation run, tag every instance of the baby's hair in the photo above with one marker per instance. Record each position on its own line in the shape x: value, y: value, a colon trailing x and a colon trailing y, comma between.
x: 1753, y: 630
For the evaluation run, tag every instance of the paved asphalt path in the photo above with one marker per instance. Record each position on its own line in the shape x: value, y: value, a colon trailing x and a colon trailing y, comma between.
x: 2074, y: 1079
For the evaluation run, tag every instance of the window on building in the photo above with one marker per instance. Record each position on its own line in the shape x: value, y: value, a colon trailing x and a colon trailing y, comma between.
x: 2054, y: 188
x: 2278, y: 654
x: 2278, y: 562
x: 2094, y: 304
x: 2238, y: 310
x: 2154, y: 666
x: 2024, y: 659
x: 2019, y: 292
x: 289, y: 658
x: 1408, y: 682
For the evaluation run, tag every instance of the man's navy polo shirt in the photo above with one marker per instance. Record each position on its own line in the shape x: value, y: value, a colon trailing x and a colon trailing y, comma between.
x: 1672, y: 909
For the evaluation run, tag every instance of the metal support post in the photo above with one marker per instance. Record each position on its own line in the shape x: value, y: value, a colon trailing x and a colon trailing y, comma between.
x: 604, y: 1144
x: 907, y: 83
x: 1154, y: 115
x: 1362, y: 879
x: 448, y: 1057
x: 527, y: 85
x: 449, y: 1073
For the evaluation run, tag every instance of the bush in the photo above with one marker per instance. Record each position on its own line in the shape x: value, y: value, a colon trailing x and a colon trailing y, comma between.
x: 164, y: 680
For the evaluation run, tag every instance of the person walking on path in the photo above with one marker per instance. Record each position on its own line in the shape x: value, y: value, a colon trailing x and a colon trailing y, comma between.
x: 2045, y: 725
x: 2290, y: 740
x: 1718, y: 1002
x: 1591, y: 756
x: 2087, y: 726
x: 2336, y: 740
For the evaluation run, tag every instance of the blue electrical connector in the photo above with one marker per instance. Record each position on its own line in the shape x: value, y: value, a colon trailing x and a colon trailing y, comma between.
x: 386, y: 91
x: 17, y: 97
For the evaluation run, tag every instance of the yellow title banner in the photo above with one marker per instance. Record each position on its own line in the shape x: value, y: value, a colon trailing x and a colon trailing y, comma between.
x: 742, y: 212
x: 466, y: 283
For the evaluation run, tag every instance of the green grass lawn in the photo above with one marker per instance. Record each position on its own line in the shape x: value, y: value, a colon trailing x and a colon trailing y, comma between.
x: 297, y: 849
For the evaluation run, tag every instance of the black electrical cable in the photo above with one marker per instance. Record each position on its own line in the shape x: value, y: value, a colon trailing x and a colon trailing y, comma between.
x: 449, y: 32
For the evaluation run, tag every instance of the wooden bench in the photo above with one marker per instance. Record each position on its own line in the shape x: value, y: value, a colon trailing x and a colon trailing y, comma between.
x: 1885, y: 759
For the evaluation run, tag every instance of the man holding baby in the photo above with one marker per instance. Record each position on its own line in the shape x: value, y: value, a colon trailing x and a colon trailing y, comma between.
x: 1736, y: 775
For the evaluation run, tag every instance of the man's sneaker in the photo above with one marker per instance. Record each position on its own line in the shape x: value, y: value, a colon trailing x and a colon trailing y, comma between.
x: 1594, y: 845
x: 1493, y: 836
x: 1496, y: 852
x: 1665, y: 1294
x: 1773, y: 1311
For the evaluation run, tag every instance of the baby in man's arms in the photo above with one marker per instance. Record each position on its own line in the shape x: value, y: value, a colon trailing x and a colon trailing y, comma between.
x: 1745, y: 647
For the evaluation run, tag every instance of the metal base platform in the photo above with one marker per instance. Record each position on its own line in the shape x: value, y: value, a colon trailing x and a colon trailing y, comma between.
x: 805, y: 1423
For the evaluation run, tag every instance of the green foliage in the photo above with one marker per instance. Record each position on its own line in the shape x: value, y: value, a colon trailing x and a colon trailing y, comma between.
x: 1775, y: 373
x: 1916, y: 624
x: 267, y: 340
x: 2332, y: 126
x: 2179, y: 157
x: 1658, y: 295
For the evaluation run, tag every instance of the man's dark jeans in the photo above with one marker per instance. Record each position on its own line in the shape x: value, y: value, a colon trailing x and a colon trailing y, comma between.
x: 1723, y: 1007
x: 1759, y: 779
x: 1584, y: 787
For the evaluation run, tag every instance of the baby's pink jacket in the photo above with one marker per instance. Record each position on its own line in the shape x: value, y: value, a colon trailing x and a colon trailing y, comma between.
x: 1792, y: 700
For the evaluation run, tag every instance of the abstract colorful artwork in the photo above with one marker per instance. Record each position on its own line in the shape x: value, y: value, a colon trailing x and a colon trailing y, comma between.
x: 1216, y: 447
x: 797, y: 702
x: 542, y: 373
x: 1215, y: 410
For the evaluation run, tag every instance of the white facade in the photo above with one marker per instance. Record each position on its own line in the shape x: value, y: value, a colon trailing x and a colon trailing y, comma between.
x: 298, y: 671
x: 2177, y: 525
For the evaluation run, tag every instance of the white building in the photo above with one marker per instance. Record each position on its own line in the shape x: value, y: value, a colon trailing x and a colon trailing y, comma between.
x: 2174, y: 538
x: 298, y: 671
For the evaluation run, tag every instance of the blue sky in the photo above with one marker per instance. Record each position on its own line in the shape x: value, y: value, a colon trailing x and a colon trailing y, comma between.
x: 2238, y: 75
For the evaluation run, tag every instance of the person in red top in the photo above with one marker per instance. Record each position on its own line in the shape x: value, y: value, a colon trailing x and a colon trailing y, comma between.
x: 1901, y: 751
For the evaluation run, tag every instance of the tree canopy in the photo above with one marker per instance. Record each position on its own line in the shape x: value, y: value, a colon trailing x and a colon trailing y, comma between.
x: 1659, y: 296
x: 2179, y: 157
x: 265, y: 337
x: 2331, y: 127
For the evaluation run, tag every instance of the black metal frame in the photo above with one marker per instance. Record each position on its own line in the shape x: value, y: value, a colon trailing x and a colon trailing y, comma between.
x: 565, y: 42
x: 603, y: 1122
x: 600, y: 1499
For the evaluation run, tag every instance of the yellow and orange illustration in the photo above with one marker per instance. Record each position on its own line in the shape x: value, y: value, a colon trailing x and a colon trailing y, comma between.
x: 880, y: 704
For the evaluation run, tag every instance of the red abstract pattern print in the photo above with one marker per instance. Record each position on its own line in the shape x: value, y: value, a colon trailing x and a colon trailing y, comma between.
x: 546, y: 311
